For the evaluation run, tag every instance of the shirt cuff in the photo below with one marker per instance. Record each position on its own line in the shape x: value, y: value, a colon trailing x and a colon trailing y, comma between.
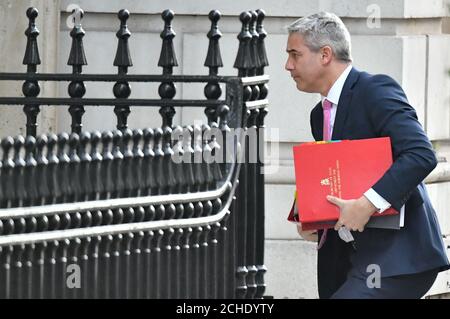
x: 379, y: 202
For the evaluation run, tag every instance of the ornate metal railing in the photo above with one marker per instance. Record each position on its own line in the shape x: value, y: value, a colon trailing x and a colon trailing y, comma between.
x: 169, y: 212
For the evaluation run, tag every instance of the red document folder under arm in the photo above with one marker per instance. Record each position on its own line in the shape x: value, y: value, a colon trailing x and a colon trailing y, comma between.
x: 345, y: 169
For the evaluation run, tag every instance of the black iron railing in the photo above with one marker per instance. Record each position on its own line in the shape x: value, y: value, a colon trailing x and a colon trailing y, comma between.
x: 168, y: 212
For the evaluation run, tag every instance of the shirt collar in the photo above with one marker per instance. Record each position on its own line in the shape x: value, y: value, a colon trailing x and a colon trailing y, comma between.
x: 336, y: 90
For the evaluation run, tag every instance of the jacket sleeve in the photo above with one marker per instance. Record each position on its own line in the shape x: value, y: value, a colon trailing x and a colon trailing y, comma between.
x: 391, y: 115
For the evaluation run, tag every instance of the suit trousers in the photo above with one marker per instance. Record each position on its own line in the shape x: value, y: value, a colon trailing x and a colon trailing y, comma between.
x: 411, y: 286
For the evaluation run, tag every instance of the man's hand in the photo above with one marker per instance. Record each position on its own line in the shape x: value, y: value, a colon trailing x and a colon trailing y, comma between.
x: 309, y: 235
x: 355, y: 213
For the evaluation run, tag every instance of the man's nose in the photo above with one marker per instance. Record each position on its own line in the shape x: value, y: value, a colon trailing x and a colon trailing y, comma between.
x: 288, y: 65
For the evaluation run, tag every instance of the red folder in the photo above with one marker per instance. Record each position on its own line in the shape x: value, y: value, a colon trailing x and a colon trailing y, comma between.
x: 345, y: 169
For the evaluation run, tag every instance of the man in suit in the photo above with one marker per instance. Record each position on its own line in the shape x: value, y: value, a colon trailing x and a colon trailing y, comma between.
x: 358, y: 105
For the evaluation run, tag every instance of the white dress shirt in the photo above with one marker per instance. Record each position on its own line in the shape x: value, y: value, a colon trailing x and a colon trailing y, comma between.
x: 333, y: 96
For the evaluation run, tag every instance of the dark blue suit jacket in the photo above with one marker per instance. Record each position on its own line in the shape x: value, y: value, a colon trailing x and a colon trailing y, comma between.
x: 376, y: 106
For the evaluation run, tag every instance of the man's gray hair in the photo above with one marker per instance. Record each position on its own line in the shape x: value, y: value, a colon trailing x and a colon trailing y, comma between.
x: 323, y: 29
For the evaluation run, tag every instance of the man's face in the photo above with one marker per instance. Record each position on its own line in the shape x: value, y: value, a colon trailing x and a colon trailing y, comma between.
x: 303, y: 64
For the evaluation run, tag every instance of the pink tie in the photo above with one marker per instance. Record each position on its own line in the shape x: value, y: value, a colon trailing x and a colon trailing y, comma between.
x: 326, y: 105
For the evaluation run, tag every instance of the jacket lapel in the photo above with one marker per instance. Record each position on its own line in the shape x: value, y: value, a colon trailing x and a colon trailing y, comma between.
x: 317, y: 122
x: 344, y: 104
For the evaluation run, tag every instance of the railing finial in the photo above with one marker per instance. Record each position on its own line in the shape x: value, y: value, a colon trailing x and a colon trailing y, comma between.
x: 261, y: 46
x: 31, y: 58
x: 167, y: 59
x: 122, y: 89
x: 213, y: 57
x: 77, y: 57
x: 254, y: 63
x: 254, y: 42
x: 243, y: 58
x: 123, y: 57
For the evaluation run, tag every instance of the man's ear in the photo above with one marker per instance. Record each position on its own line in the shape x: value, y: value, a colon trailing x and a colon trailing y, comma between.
x: 326, y: 54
